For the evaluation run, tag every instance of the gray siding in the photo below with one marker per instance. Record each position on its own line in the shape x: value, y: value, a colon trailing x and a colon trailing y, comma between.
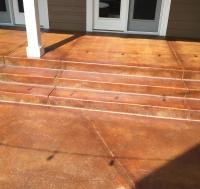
x: 184, y: 19
x: 68, y: 15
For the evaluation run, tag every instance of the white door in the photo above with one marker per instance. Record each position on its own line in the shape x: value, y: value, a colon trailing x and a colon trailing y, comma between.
x: 110, y: 14
x: 19, y: 12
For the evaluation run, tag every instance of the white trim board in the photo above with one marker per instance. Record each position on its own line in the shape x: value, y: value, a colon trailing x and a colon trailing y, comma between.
x: 163, y: 23
x: 164, y: 18
x: 89, y: 15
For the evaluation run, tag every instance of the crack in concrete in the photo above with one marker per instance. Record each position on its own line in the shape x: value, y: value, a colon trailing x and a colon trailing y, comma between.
x: 114, y: 159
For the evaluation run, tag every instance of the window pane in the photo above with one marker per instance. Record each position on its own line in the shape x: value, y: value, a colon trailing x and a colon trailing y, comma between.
x: 21, y: 6
x: 109, y: 8
x: 145, y: 9
x: 3, y: 5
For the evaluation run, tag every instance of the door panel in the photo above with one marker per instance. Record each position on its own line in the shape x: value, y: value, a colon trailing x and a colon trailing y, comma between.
x: 144, y: 15
x: 110, y: 14
x: 5, y: 11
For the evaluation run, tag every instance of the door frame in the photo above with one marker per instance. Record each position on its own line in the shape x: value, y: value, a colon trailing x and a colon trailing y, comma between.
x: 163, y: 23
x: 45, y: 16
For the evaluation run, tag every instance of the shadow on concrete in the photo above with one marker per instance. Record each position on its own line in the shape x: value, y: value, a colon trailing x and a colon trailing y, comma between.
x: 62, y: 42
x: 181, y: 173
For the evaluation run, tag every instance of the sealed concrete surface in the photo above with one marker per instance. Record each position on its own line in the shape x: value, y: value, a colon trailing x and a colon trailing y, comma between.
x: 44, y: 147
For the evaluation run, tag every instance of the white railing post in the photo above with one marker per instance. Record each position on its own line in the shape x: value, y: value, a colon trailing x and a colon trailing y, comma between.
x: 31, y: 11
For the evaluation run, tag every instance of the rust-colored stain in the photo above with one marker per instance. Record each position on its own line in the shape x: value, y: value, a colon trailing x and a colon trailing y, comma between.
x: 99, y: 111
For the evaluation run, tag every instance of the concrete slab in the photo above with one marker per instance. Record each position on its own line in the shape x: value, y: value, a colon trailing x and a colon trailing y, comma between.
x: 61, y: 148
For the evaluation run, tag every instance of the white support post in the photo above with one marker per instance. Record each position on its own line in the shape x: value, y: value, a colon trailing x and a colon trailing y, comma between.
x: 31, y: 11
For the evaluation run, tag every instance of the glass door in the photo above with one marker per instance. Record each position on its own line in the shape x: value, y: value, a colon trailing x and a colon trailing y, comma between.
x: 18, y: 9
x: 110, y: 14
x: 5, y: 16
x: 144, y: 15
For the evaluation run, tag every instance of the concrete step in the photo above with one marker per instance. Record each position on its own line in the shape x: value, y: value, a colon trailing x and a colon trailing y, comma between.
x: 96, y: 81
x: 192, y: 78
x: 59, y: 97
x: 154, y: 92
x: 24, y: 93
x: 97, y: 67
x: 140, y: 86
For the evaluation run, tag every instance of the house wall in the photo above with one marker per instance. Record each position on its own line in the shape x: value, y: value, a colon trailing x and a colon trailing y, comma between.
x: 184, y: 20
x: 68, y: 15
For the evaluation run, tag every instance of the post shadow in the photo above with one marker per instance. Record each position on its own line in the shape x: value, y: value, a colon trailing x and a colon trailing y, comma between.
x: 62, y: 42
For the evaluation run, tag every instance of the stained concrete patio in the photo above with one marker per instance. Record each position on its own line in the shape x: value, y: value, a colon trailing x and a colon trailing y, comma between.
x: 44, y: 147
x: 105, y: 49
x: 56, y: 148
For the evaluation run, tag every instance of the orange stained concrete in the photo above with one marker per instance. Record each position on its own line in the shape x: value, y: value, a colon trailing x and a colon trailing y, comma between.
x: 107, y: 49
x: 74, y: 147
x: 56, y: 148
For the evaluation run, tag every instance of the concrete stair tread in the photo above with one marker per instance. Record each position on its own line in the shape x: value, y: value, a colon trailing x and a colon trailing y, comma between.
x: 118, y: 97
x: 94, y: 76
x: 120, y: 107
x: 28, y: 75
x: 25, y: 89
x: 96, y: 81
x: 145, y: 91
x: 24, y: 93
x: 120, y: 78
x: 96, y: 67
x: 19, y: 70
x: 49, y: 96
x: 39, y: 95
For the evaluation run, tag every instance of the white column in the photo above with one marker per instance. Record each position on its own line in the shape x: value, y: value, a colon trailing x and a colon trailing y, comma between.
x: 31, y: 11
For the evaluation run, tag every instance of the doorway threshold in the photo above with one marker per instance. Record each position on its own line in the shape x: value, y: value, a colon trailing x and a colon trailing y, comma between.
x: 128, y: 32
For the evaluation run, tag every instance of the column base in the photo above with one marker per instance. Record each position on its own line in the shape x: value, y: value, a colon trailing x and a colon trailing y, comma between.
x: 34, y: 52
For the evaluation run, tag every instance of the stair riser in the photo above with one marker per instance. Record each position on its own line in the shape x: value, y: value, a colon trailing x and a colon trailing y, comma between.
x: 18, y: 97
x: 120, y: 108
x: 39, y: 76
x: 99, y: 106
x: 96, y: 95
x: 123, y: 79
x: 95, y: 85
x: 194, y: 85
x: 148, y: 111
x: 137, y: 71
x: 193, y: 104
x: 116, y: 92
x: 151, y: 100
x: 27, y: 79
x: 122, y: 87
x: 195, y: 115
x: 40, y: 63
